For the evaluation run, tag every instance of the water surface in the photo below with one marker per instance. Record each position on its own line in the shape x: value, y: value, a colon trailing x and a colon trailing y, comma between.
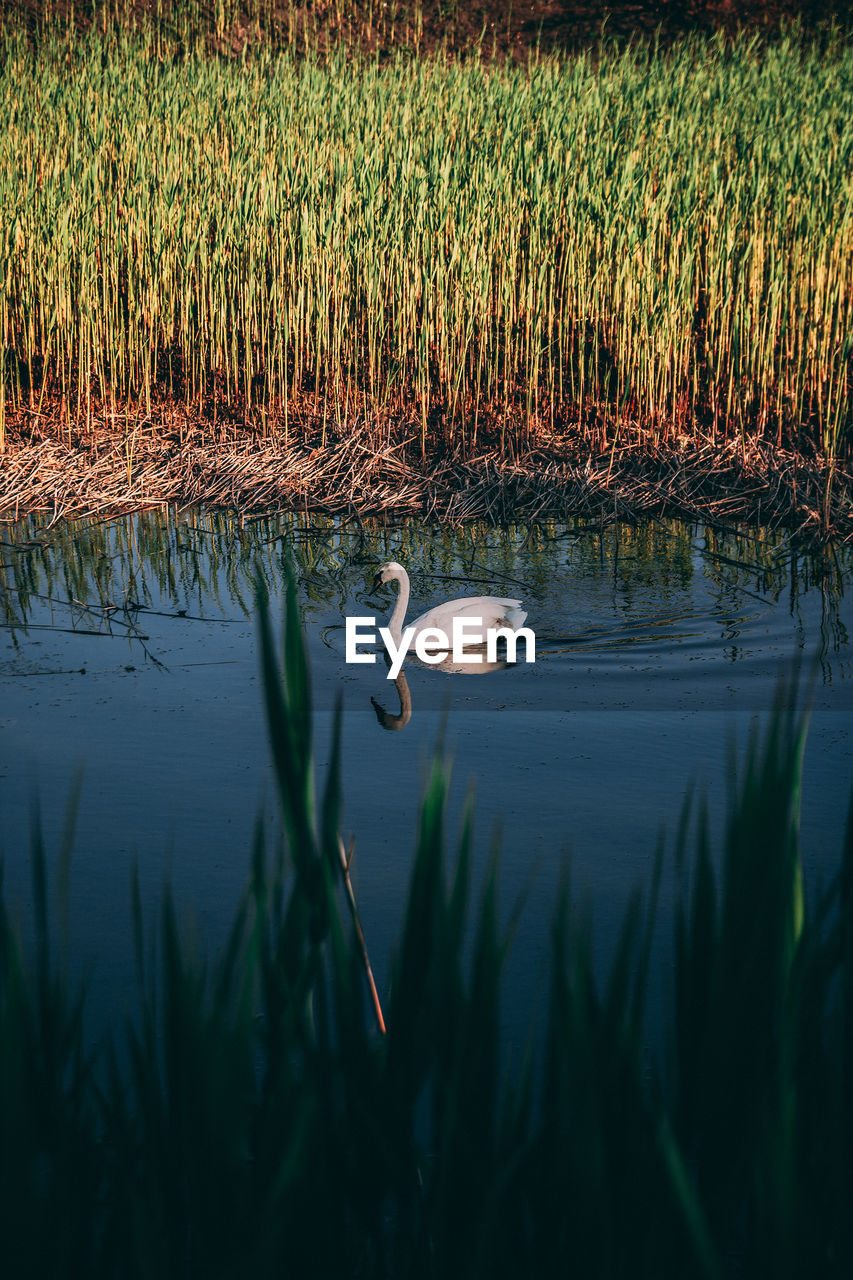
x: 128, y: 658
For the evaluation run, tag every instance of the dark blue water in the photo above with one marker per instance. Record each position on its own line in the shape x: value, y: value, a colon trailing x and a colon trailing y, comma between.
x: 128, y: 660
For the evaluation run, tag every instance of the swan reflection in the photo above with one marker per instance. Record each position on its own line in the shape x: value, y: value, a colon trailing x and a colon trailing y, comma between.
x: 386, y: 718
x: 470, y: 668
x: 396, y: 721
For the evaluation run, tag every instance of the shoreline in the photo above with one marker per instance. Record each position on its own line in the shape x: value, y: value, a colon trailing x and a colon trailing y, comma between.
x: 373, y: 468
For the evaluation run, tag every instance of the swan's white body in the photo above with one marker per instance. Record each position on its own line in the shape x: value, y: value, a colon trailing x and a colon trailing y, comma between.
x: 493, y: 611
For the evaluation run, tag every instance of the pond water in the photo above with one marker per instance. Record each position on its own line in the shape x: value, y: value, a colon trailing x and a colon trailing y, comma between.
x: 128, y: 660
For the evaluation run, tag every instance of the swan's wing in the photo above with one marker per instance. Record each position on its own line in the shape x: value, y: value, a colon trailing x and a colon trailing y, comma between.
x: 493, y: 610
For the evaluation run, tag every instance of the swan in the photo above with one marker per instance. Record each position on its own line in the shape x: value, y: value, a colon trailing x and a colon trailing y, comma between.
x: 494, y: 611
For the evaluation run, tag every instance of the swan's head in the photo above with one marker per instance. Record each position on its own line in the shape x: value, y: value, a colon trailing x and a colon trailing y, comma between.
x: 390, y: 572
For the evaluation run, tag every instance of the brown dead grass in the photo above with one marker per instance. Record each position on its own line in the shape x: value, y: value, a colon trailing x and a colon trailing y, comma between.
x: 375, y: 467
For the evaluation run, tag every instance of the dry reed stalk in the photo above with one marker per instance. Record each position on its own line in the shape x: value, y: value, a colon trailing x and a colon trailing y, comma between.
x: 346, y: 856
x: 365, y: 470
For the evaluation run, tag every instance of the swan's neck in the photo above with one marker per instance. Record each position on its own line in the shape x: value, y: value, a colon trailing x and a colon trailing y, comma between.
x: 395, y: 626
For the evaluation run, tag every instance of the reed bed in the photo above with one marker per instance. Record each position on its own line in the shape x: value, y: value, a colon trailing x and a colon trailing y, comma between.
x: 630, y: 243
x: 369, y: 471
x: 252, y: 1118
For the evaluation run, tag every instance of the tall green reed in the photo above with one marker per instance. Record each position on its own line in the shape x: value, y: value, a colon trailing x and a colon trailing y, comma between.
x: 253, y: 1119
x: 638, y: 236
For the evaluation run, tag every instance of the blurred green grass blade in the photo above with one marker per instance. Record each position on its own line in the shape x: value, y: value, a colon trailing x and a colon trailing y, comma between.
x: 688, y: 1205
x: 284, y: 698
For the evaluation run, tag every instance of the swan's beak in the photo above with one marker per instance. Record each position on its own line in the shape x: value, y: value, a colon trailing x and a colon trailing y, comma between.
x: 377, y: 582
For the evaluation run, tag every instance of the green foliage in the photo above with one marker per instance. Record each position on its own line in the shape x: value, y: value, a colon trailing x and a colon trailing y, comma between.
x: 253, y: 1121
x: 631, y: 236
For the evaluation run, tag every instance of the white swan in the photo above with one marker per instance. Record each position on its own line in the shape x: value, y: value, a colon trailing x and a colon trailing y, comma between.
x: 492, y: 610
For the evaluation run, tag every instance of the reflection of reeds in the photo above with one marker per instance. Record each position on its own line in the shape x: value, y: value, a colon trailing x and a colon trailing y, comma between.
x: 104, y: 576
x: 631, y: 239
x: 260, y: 1126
